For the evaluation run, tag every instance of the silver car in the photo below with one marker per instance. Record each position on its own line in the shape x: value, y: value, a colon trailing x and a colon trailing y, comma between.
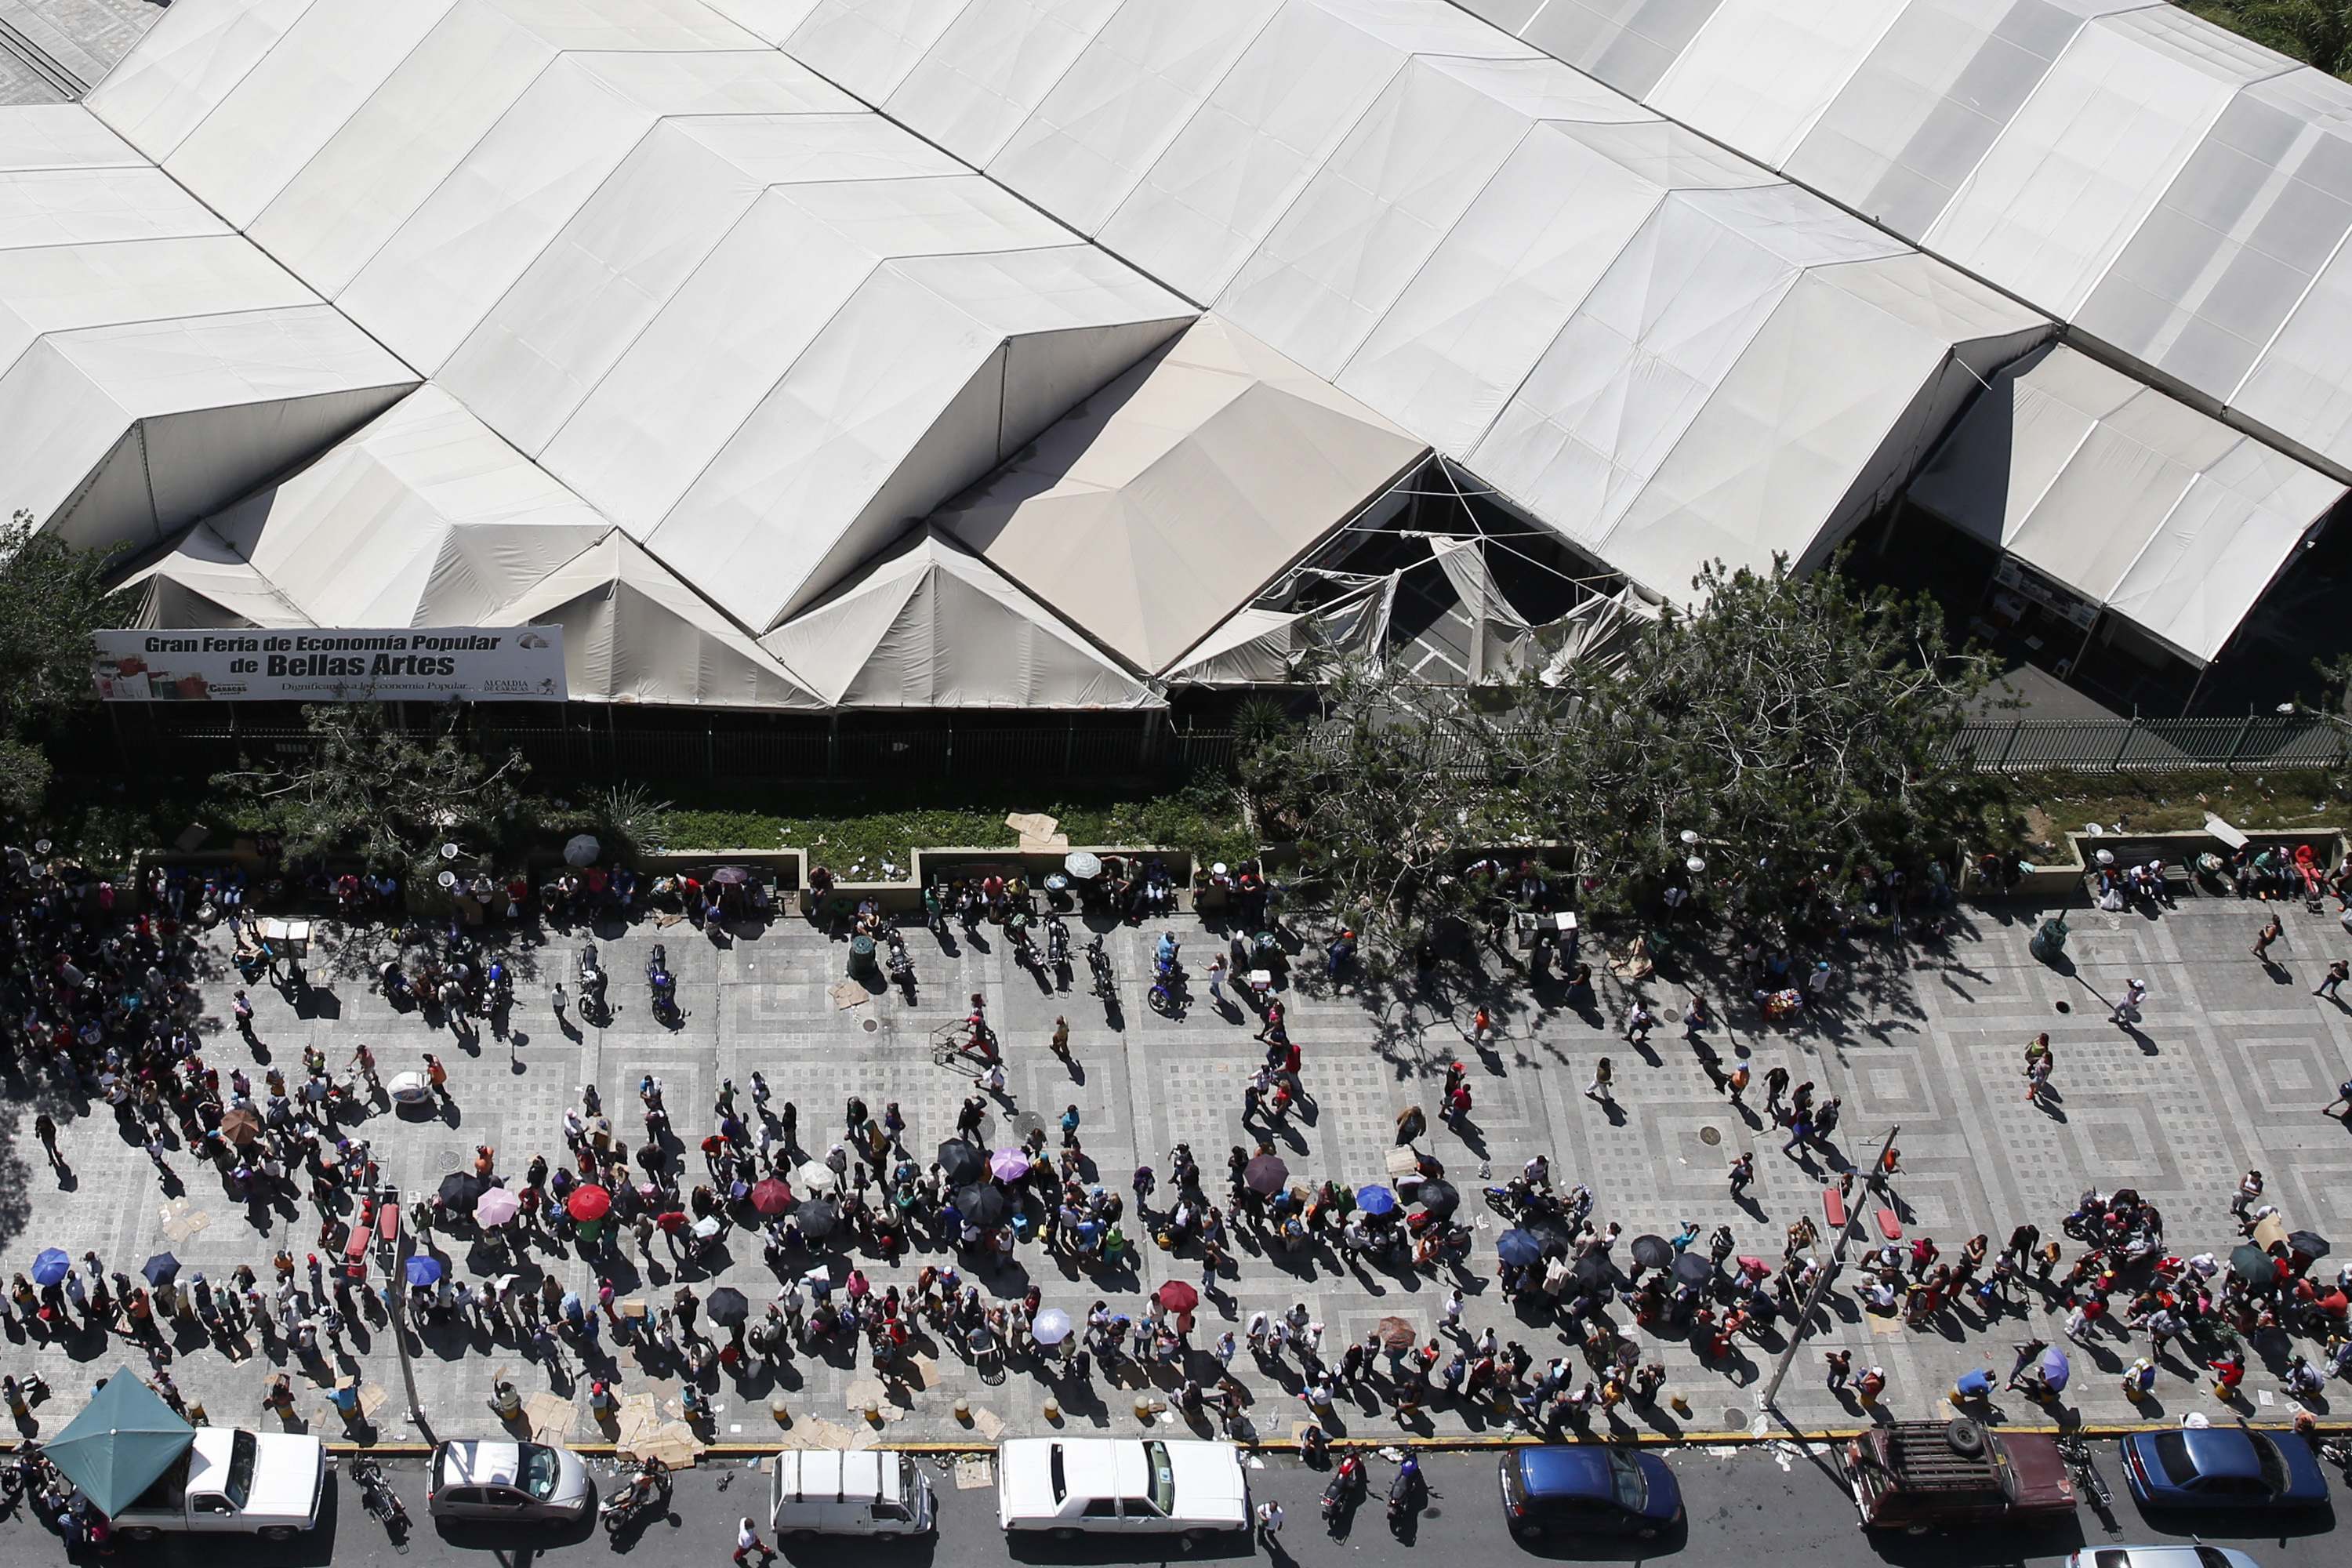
x: 2170, y: 1554
x: 498, y: 1479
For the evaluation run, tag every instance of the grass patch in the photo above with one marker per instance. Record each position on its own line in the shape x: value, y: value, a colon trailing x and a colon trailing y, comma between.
x: 2054, y: 804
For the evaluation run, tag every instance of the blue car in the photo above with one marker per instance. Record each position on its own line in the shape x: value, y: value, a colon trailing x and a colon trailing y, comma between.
x: 2222, y: 1466
x: 1584, y: 1489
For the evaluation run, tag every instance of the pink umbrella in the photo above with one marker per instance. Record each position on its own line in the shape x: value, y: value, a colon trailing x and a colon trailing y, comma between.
x: 498, y: 1206
x: 1008, y: 1164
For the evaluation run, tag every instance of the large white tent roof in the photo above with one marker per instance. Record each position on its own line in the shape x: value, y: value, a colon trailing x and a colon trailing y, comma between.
x: 760, y: 282
x: 2181, y: 196
x: 2128, y: 497
x: 1179, y: 490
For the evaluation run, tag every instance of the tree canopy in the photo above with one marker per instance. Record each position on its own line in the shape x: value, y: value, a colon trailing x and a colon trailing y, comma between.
x: 52, y: 597
x: 1797, y: 729
x: 2317, y: 32
x: 369, y: 788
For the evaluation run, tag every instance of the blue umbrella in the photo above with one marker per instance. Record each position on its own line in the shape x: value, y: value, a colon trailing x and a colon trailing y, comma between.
x: 1376, y: 1200
x: 1519, y: 1248
x: 424, y: 1270
x: 2056, y: 1368
x: 51, y: 1268
x: 161, y: 1270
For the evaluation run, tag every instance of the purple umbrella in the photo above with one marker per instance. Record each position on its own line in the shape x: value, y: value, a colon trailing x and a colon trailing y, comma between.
x: 2056, y: 1368
x: 1008, y: 1164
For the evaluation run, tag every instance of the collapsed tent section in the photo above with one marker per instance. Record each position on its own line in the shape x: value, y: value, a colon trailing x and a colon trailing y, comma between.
x: 2125, y: 496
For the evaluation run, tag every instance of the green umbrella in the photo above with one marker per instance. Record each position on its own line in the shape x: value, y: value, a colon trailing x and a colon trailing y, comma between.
x: 123, y: 1438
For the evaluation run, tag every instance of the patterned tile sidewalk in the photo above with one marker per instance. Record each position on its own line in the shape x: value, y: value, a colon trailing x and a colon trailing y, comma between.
x: 2230, y: 1069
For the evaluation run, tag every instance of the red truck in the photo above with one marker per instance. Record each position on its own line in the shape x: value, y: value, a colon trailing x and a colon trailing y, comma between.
x: 1918, y: 1476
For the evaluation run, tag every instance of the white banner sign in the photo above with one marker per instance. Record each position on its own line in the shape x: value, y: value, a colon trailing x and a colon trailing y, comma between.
x: 500, y: 664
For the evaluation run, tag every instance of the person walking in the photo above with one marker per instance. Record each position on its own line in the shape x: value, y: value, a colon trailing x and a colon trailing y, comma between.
x: 2337, y: 974
x: 2127, y: 1010
x: 558, y: 999
x: 2271, y: 930
x: 1061, y: 1041
x: 1597, y: 1090
x: 1269, y: 1522
x: 241, y: 1005
x: 436, y: 1077
x: 2343, y: 1098
x: 2249, y: 1189
x: 1841, y: 1367
x: 1217, y: 972
x: 747, y: 1544
x: 1776, y: 1084
x: 1743, y: 1172
x: 1638, y: 1023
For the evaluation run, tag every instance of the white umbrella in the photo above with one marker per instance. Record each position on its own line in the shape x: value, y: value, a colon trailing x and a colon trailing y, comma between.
x: 497, y: 1206
x: 816, y: 1176
x: 1051, y: 1328
x: 1083, y: 864
x: 583, y: 850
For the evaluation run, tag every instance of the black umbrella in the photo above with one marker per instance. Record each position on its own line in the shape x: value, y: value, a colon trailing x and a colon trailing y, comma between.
x: 1691, y: 1268
x: 2253, y: 1263
x: 1556, y: 1238
x: 461, y: 1190
x: 817, y: 1217
x: 2307, y: 1243
x: 1439, y: 1198
x: 981, y: 1206
x: 962, y: 1162
x: 161, y: 1270
x: 1593, y: 1268
x: 1653, y: 1251
x: 726, y: 1306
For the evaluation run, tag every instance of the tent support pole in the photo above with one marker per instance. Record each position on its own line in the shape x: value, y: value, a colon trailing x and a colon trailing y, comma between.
x: 1837, y: 1261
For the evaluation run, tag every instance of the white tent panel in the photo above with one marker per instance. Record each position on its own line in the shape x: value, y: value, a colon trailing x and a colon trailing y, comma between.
x: 929, y: 626
x: 772, y: 20
x: 1919, y: 114
x: 1503, y: 282
x: 1372, y: 214
x: 59, y: 426
x: 1152, y: 511
x: 61, y: 136
x: 1125, y: 98
x: 189, y: 61
x: 629, y: 26
x: 203, y: 582
x: 64, y: 288
x: 1760, y: 72
x: 634, y: 632
x: 2299, y: 386
x: 1213, y: 195
x: 930, y: 217
x: 2078, y: 170
x: 2236, y: 529
x: 283, y: 111
x: 813, y: 147
x: 1629, y: 44
x: 1764, y: 466
x: 423, y: 518
x: 96, y: 206
x: 2255, y: 215
x: 990, y: 70
x: 869, y: 45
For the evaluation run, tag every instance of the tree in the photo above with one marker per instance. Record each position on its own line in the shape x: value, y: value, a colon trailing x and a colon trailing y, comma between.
x: 388, y: 796
x: 2317, y: 32
x: 52, y: 597
x: 1798, y: 729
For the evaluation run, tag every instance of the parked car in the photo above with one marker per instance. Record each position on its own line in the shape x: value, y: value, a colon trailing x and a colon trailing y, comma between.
x: 2169, y: 1555
x: 2222, y: 1466
x: 826, y: 1492
x: 1918, y: 1476
x: 499, y: 1478
x: 1070, y: 1486
x: 1561, y: 1488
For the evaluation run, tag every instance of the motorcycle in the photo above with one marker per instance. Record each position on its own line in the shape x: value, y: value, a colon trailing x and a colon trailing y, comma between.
x: 1405, y: 1493
x: 592, y: 982
x: 2078, y: 1455
x: 1098, y: 962
x: 1345, y: 1489
x: 662, y: 985
x: 1057, y: 943
x: 902, y: 965
x: 501, y: 986
x: 647, y: 1489
x: 1168, y: 978
x: 377, y: 1493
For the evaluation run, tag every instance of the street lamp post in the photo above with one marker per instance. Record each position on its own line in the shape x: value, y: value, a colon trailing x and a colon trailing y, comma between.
x: 1821, y: 1284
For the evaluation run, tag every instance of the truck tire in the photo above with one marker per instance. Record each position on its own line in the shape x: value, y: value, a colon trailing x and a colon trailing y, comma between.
x: 1965, y: 1437
x: 141, y: 1533
x: 280, y: 1532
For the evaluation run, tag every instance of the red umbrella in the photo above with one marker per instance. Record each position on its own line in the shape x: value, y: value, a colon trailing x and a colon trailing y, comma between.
x: 770, y: 1196
x: 588, y: 1203
x: 1179, y: 1296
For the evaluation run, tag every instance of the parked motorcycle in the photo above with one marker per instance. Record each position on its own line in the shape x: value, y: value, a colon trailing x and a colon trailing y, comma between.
x: 664, y: 987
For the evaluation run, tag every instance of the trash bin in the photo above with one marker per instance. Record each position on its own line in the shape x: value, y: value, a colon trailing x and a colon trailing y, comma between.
x: 861, y: 958
x: 2050, y: 940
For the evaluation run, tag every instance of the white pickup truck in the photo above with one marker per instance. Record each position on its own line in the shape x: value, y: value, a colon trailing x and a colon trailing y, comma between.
x: 234, y: 1482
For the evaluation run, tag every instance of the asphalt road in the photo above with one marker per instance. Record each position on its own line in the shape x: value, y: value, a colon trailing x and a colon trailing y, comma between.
x: 1755, y: 1506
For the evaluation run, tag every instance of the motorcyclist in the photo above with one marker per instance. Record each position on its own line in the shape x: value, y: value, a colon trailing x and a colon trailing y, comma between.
x: 1165, y: 953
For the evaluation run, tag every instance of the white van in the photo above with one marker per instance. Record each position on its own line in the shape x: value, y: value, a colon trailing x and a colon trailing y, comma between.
x: 822, y: 1491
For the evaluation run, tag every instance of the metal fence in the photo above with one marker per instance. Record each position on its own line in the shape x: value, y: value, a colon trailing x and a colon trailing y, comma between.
x: 2155, y: 745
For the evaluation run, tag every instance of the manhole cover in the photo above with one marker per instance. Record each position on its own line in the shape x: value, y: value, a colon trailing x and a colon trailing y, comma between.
x: 871, y: 1026
x: 1671, y: 1014
x: 2065, y: 1006
x: 449, y: 1158
x: 1734, y: 1418
x: 1710, y: 1136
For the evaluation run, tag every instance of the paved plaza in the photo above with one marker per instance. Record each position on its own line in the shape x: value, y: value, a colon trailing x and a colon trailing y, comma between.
x: 2228, y: 1069
x: 83, y: 37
